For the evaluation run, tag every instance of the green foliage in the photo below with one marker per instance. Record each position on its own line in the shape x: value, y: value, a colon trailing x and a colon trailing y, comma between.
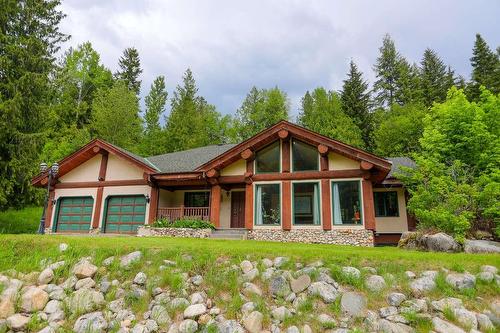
x: 116, y: 116
x: 322, y: 112
x: 183, y: 223
x: 485, y: 69
x: 435, y: 79
x: 23, y: 221
x: 387, y: 73
x: 130, y: 69
x: 63, y: 143
x: 260, y: 109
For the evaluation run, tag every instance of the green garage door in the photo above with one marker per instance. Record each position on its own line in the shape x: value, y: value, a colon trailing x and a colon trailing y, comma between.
x: 74, y: 214
x: 124, y: 214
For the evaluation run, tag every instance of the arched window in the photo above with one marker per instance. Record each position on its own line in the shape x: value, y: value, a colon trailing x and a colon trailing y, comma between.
x: 304, y: 157
x: 268, y: 159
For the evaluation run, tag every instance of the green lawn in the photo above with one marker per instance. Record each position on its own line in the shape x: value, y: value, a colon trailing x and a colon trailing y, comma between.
x: 23, y: 221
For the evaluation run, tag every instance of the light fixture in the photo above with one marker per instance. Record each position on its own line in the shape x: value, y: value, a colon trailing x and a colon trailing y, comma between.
x: 55, y: 168
x: 148, y: 198
x: 43, y: 167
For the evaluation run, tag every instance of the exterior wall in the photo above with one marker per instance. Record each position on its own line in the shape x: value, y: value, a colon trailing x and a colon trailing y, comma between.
x: 396, y: 224
x: 225, y: 209
x: 175, y: 198
x: 174, y: 232
x: 85, y: 172
x: 360, y: 237
x: 237, y: 168
x: 339, y: 162
x: 74, y: 192
x: 119, y: 169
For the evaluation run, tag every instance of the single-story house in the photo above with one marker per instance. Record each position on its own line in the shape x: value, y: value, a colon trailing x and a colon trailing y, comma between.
x: 286, y: 183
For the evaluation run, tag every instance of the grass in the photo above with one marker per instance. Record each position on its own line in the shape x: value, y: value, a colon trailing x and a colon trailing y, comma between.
x: 23, y: 221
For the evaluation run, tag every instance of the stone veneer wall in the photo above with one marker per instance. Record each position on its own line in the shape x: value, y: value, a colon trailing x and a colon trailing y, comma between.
x: 358, y: 237
x: 174, y: 232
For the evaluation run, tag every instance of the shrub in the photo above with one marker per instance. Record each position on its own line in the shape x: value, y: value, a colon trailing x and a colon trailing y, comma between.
x: 183, y: 223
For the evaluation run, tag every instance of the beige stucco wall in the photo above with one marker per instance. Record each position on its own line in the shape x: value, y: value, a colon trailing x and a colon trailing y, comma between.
x: 73, y: 192
x: 237, y: 168
x: 395, y: 224
x: 339, y: 162
x: 85, y: 172
x: 119, y: 169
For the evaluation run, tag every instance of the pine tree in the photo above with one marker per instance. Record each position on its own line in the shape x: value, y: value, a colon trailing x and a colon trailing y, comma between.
x: 29, y: 41
x: 485, y: 68
x: 130, y: 69
x: 155, y: 104
x: 355, y: 100
x: 408, y: 84
x: 436, y: 79
x: 387, y: 73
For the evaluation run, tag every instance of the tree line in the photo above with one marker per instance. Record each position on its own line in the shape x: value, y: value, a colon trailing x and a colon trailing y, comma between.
x: 50, y: 107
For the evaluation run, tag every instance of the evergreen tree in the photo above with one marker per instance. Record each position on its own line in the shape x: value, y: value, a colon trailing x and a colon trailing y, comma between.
x: 116, y: 116
x: 485, y: 68
x: 192, y: 122
x: 355, y: 100
x: 387, y: 73
x: 321, y: 111
x: 260, y: 109
x: 409, y: 90
x: 435, y: 78
x: 29, y: 41
x: 130, y: 69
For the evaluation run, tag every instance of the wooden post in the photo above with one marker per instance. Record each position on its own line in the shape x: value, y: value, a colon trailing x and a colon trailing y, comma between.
x: 48, y: 213
x: 215, y: 205
x: 286, y: 198
x: 153, y: 204
x: 98, y: 205
x: 181, y: 213
x: 249, y: 199
x: 285, y: 159
x: 326, y: 204
x: 368, y: 206
x: 104, y: 166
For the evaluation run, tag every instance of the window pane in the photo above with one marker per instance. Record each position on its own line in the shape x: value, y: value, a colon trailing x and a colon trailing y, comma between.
x: 346, y: 202
x: 267, y: 205
x: 196, y: 199
x: 305, y: 157
x: 306, y: 203
x: 268, y: 159
x: 386, y: 203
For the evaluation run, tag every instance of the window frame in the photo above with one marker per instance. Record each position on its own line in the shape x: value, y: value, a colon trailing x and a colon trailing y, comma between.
x: 385, y: 206
x: 362, y: 204
x: 320, y: 204
x: 292, y: 165
x: 256, y: 171
x: 275, y: 226
x: 195, y: 191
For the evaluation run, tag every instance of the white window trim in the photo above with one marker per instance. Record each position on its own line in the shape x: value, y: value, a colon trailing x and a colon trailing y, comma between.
x: 255, y: 225
x: 362, y: 204
x: 292, y: 206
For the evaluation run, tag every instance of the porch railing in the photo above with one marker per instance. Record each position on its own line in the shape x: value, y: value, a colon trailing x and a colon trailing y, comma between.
x: 177, y: 213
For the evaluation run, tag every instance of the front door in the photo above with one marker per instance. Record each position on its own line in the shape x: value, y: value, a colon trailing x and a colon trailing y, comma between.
x: 238, y: 209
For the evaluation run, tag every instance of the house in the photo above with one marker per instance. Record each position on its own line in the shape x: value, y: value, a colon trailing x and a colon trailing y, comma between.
x: 286, y: 183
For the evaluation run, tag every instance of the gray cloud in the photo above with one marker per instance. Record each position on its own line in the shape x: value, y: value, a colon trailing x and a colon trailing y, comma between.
x: 296, y: 45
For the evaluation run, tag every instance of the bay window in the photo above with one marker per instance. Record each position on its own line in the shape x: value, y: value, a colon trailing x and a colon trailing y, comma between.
x: 346, y: 202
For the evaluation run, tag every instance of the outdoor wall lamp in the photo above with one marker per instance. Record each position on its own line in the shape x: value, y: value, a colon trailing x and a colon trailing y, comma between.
x: 51, y: 173
x: 148, y: 198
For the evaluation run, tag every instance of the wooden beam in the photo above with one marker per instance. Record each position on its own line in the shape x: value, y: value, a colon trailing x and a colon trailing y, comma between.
x: 212, y: 173
x: 368, y: 205
x: 247, y: 154
x: 285, y: 156
x: 323, y: 161
x: 215, y: 194
x: 50, y: 206
x: 283, y: 134
x: 366, y: 165
x: 354, y: 173
x: 153, y: 204
x: 326, y: 204
x: 286, y: 206
x: 323, y: 150
x: 104, y: 166
x: 249, y: 206
x: 98, y: 207
x: 96, y: 149
x: 129, y: 182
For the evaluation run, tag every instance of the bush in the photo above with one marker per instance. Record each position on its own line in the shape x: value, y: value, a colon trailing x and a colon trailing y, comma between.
x: 183, y: 223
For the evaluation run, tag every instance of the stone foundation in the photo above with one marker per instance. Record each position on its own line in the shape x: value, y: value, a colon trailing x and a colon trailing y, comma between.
x: 358, y: 237
x: 174, y: 232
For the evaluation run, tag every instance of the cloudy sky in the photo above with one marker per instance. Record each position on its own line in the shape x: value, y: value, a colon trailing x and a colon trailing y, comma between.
x: 296, y: 45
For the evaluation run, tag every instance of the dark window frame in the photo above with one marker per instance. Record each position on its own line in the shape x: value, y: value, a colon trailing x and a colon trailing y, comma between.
x: 385, y: 201
x: 312, y: 204
x: 187, y: 200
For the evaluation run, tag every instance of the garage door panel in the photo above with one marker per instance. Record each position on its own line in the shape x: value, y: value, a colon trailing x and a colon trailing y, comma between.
x: 74, y: 214
x: 124, y: 214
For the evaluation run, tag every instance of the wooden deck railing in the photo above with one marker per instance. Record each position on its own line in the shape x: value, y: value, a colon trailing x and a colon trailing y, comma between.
x: 177, y: 213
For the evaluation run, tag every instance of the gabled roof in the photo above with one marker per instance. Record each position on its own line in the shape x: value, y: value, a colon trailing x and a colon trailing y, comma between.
x: 90, y: 150
x: 398, y: 163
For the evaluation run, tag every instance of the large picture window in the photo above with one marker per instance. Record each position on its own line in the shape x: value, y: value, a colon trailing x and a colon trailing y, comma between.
x: 346, y: 202
x: 267, y: 204
x: 304, y: 156
x: 268, y: 159
x: 386, y: 204
x: 196, y: 199
x: 306, y: 205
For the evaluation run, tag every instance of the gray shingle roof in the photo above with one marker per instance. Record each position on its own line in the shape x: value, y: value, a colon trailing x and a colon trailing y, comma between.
x: 135, y: 156
x: 187, y: 160
x: 397, y: 163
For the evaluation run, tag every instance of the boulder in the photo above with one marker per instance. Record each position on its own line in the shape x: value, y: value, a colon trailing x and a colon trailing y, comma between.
x: 246, y: 266
x: 461, y: 281
x: 34, y: 299
x: 484, y: 323
x: 448, y: 302
x: 195, y: 310
x: 140, y: 278
x: 353, y: 304
x: 281, y: 313
x: 127, y: 260
x: 85, y: 283
x: 7, y: 307
x: 395, y: 299
x: 352, y: 272
x: 198, y: 298
x: 160, y: 314
x: 465, y: 317
x: 326, y: 320
x: 91, y: 322
x: 247, y: 308
x: 279, y: 286
x: 422, y: 285
x: 188, y: 326
x: 292, y: 329
x: 17, y: 322
x: 250, y: 275
x: 46, y: 276
x: 481, y: 246
x: 388, y: 311
x: 197, y: 280
x: 486, y: 276
x: 267, y: 263
x: 442, y: 326
x: 253, y: 322
x: 108, y: 261
x: 84, y: 269
x: 440, y: 242
x: 230, y: 326
x: 489, y: 268
x: 375, y: 283
x: 326, y: 291
x: 386, y: 326
x: 300, y: 284
x: 280, y: 261
x: 53, y: 306
x: 85, y: 300
x: 250, y: 288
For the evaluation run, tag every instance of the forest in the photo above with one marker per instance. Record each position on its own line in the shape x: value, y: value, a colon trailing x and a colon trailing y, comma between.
x: 50, y: 105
